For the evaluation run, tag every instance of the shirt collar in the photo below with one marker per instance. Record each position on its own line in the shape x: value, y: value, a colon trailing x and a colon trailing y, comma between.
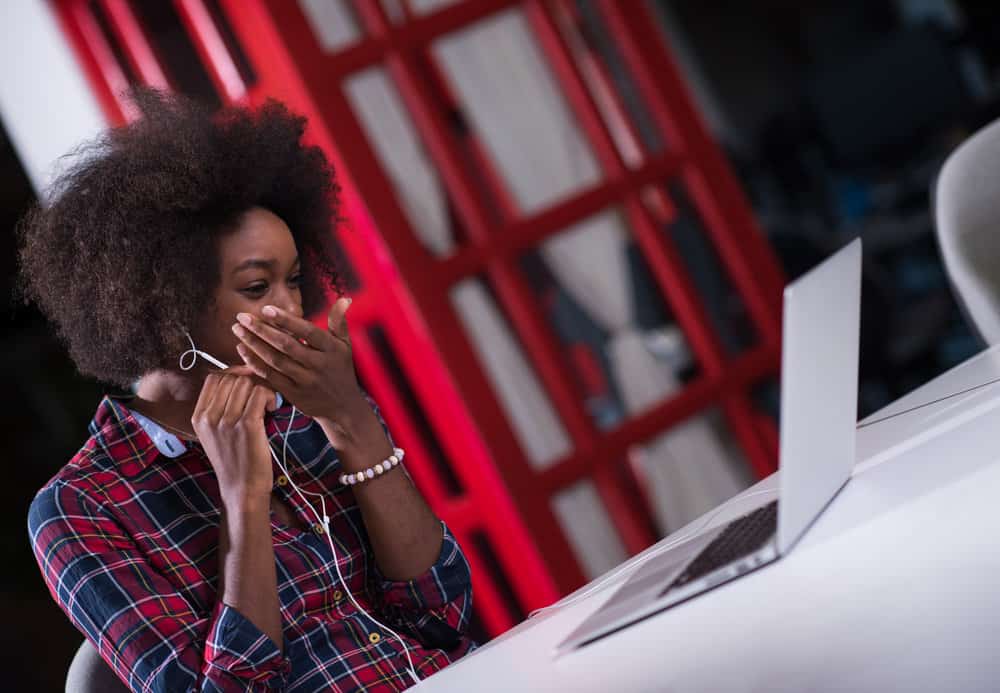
x: 166, y: 442
x: 133, y: 439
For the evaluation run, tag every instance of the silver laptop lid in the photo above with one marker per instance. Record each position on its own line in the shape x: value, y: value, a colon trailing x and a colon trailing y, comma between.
x: 819, y: 389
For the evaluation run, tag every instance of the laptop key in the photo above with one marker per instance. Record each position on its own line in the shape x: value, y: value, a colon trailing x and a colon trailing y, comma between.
x: 742, y: 536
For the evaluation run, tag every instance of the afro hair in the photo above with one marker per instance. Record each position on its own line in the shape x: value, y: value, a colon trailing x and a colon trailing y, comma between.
x: 123, y: 256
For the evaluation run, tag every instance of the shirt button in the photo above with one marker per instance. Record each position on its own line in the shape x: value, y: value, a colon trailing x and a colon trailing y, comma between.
x: 373, y: 638
x: 337, y: 595
x: 318, y: 529
x: 282, y: 480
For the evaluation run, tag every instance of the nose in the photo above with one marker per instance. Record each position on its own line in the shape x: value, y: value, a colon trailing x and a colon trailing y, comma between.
x: 289, y: 302
x: 290, y: 307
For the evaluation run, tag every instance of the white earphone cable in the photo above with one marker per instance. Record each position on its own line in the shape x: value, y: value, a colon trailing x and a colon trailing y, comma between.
x: 630, y: 568
x: 195, y: 353
x: 324, y: 519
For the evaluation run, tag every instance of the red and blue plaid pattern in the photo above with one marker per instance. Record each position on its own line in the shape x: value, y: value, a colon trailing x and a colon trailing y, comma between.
x: 127, y: 541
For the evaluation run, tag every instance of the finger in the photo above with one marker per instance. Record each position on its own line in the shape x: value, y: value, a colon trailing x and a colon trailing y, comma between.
x: 224, y: 391
x: 238, y: 395
x: 276, y: 360
x: 257, y: 381
x: 336, y: 319
x: 272, y: 401
x: 252, y: 361
x: 285, y: 342
x: 300, y: 328
x: 207, y: 390
x: 259, y: 400
x: 244, y: 369
x: 262, y: 371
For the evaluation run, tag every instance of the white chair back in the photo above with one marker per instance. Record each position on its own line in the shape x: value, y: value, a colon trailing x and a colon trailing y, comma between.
x: 967, y: 219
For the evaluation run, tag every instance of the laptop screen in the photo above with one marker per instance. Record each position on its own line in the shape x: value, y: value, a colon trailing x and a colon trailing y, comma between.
x: 819, y: 389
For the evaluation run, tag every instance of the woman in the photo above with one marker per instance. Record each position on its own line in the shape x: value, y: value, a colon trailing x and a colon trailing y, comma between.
x: 239, y: 528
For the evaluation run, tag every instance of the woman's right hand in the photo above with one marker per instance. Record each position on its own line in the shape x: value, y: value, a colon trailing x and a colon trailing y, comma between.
x: 229, y: 422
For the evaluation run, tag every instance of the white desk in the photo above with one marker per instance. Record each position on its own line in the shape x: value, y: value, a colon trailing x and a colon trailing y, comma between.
x: 895, y: 588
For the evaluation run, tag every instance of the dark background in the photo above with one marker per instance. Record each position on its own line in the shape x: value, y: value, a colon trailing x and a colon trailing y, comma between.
x: 835, y: 115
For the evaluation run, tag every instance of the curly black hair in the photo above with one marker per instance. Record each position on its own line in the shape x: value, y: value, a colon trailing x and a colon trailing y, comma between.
x: 123, y: 256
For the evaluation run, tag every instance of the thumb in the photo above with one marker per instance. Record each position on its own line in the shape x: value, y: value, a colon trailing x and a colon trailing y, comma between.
x: 246, y: 370
x: 336, y: 321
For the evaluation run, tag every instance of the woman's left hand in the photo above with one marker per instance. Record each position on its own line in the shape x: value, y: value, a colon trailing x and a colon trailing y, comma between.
x: 312, y: 367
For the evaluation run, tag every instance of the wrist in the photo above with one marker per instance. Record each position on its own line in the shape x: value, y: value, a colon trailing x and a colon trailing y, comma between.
x: 358, y: 437
x: 246, y: 502
x: 351, y: 425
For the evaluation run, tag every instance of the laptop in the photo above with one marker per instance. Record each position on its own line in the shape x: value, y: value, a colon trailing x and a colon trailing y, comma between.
x: 819, y: 392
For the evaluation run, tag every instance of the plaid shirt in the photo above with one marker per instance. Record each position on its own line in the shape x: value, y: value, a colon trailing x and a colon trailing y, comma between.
x: 126, y: 536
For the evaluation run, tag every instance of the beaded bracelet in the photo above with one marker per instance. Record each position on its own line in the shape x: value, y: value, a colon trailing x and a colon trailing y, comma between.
x: 381, y: 468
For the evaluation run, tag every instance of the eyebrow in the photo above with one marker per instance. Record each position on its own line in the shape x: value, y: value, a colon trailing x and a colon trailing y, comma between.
x: 258, y: 263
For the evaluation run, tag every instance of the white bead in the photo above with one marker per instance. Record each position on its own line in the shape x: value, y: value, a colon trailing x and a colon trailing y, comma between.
x: 343, y: 480
x: 360, y: 476
x: 378, y: 469
x: 370, y: 473
x: 392, y: 459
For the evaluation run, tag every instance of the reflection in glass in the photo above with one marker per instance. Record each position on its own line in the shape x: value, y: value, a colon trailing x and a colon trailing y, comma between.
x: 522, y: 396
x: 515, y: 105
x: 333, y: 22
x: 691, y: 469
x: 588, y: 529
x: 727, y: 312
x: 391, y: 134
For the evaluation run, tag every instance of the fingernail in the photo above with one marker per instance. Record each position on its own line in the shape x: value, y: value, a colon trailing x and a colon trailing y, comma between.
x: 349, y: 301
x: 269, y: 311
x: 244, y: 318
x: 238, y: 331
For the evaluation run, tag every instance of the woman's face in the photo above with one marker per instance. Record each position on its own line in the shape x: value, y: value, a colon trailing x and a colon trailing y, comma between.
x: 259, y: 267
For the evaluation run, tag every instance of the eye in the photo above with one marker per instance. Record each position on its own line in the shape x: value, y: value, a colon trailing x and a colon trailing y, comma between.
x: 258, y: 290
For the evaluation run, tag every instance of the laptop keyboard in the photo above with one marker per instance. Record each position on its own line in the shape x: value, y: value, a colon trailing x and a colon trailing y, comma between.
x: 742, y: 536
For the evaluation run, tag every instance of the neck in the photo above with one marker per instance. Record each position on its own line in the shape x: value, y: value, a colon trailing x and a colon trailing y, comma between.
x: 170, y: 396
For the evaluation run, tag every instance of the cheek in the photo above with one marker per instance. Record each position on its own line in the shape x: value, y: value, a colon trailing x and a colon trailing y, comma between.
x: 225, y: 314
x: 219, y: 334
x: 222, y: 343
x: 216, y: 335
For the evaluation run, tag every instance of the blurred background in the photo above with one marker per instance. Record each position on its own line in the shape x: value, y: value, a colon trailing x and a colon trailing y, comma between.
x: 568, y: 223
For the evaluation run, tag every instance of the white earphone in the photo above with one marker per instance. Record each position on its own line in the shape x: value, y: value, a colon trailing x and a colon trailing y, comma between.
x: 195, y: 353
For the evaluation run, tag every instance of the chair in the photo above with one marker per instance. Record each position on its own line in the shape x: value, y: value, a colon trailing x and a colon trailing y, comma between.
x: 966, y: 204
x: 88, y: 673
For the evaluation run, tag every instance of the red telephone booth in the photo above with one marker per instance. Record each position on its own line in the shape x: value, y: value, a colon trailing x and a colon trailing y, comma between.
x: 457, y: 331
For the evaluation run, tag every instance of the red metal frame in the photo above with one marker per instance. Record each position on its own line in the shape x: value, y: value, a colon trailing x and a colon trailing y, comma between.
x: 212, y: 49
x: 407, y: 289
x: 105, y: 75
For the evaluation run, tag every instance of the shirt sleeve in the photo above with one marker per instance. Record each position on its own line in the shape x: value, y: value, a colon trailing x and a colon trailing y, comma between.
x: 436, y: 606
x: 146, y: 630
